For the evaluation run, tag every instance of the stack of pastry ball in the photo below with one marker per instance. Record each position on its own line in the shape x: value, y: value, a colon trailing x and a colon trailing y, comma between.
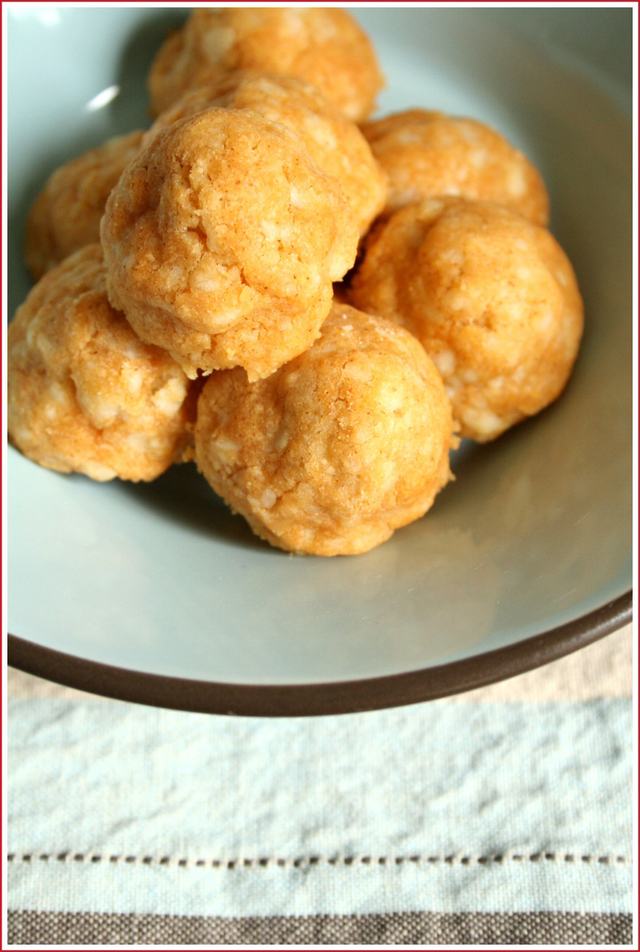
x: 191, y: 303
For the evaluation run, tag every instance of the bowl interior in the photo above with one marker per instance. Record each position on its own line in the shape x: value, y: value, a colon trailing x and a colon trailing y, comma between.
x: 536, y: 529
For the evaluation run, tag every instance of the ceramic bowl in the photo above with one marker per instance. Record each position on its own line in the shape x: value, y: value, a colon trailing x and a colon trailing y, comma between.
x: 156, y: 593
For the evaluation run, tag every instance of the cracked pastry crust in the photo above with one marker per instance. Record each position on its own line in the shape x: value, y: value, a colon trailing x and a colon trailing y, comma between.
x: 66, y: 214
x: 333, y: 142
x: 426, y: 154
x: 324, y: 47
x: 338, y: 448
x: 221, y: 241
x: 491, y: 296
x: 85, y: 395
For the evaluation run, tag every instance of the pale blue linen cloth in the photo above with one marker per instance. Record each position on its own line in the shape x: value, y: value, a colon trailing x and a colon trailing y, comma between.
x: 407, y: 810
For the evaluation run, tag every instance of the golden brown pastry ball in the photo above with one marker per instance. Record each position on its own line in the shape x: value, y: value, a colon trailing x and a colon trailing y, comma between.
x: 221, y: 241
x: 338, y: 448
x: 426, y: 154
x: 492, y: 297
x: 85, y: 395
x: 325, y: 47
x: 334, y: 143
x: 66, y: 214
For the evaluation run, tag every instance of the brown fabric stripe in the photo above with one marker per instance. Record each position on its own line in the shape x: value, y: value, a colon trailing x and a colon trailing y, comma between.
x: 405, y: 928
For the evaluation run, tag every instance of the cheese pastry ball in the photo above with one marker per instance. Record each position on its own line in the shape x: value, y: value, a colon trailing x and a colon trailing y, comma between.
x: 85, y: 395
x: 221, y: 241
x: 66, y: 214
x: 325, y: 47
x: 426, y: 154
x: 339, y: 447
x: 491, y: 296
x: 334, y: 143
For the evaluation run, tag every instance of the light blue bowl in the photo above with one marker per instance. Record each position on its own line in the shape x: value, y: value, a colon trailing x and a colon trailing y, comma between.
x: 534, y: 534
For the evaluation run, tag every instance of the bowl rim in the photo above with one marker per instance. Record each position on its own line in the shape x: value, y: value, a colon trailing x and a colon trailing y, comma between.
x: 338, y: 697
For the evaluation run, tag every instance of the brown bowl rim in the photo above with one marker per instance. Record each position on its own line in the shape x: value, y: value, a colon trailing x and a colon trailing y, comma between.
x: 337, y: 697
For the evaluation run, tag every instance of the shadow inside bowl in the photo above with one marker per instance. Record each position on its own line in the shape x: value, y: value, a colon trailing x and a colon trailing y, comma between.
x: 182, y: 496
x: 470, y: 459
x: 135, y: 63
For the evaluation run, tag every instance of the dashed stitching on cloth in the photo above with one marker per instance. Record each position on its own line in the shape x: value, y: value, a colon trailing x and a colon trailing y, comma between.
x: 262, y: 862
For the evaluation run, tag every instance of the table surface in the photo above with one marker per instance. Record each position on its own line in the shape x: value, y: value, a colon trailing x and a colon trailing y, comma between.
x: 498, y: 816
